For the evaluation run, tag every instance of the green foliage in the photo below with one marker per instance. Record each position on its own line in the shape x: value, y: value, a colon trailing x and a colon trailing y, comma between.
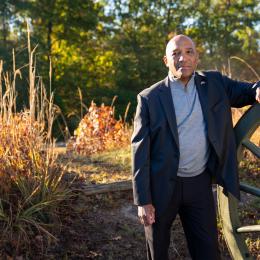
x: 109, y: 48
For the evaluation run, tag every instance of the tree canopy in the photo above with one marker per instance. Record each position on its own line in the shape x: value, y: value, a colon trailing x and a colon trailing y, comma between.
x: 115, y: 47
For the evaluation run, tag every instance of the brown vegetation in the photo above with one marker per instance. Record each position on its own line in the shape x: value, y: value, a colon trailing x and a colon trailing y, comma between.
x: 31, y: 188
x: 99, y: 131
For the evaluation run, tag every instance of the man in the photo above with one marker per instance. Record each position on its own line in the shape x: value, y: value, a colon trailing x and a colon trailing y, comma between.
x: 183, y: 138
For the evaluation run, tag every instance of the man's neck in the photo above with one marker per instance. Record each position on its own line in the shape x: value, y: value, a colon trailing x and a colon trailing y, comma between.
x: 184, y: 81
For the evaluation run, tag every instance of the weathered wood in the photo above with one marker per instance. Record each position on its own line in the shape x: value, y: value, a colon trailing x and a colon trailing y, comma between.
x: 250, y: 189
x: 252, y: 228
x: 228, y: 204
x: 110, y: 187
x: 252, y: 147
x: 227, y: 208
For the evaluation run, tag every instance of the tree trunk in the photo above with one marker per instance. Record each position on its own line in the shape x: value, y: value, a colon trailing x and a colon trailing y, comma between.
x: 4, y: 10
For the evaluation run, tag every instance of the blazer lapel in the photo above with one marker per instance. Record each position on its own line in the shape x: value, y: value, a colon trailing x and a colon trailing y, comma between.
x: 202, y: 89
x: 167, y: 102
x: 165, y: 96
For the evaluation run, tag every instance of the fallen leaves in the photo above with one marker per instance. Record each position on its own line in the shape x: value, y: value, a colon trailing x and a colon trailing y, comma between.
x: 99, y: 131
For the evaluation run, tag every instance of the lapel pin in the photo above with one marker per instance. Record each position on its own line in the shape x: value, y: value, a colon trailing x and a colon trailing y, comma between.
x: 256, y: 84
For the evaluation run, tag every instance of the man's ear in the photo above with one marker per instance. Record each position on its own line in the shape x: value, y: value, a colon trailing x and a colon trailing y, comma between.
x: 165, y: 61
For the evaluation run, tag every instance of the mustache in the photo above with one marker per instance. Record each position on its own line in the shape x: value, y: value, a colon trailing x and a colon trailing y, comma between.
x: 183, y: 65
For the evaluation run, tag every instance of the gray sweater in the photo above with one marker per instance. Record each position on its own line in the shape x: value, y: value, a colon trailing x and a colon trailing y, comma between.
x: 194, y: 147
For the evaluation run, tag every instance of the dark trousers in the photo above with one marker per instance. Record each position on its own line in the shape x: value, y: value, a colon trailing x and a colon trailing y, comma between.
x: 193, y: 201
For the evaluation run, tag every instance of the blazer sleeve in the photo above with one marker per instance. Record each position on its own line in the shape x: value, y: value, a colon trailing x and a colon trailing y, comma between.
x: 140, y: 148
x: 240, y: 93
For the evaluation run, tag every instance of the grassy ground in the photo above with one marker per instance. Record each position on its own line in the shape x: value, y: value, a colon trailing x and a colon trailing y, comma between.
x: 106, y: 226
x: 105, y: 167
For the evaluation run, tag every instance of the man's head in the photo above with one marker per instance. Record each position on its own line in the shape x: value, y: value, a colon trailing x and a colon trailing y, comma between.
x: 181, y: 57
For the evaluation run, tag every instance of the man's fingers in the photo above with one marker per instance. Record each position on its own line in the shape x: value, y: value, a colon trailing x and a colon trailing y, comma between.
x: 150, y: 222
x: 143, y: 220
x: 146, y: 214
x: 147, y: 219
x: 257, y: 97
x: 151, y: 218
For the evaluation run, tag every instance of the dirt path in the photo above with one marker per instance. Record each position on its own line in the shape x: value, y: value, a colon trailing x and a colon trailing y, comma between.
x: 106, y: 227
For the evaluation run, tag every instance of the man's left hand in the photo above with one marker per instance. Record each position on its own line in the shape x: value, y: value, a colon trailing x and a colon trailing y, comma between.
x: 257, y: 96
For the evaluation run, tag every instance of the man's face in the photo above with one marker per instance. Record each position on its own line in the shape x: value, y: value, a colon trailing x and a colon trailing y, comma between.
x: 181, y: 57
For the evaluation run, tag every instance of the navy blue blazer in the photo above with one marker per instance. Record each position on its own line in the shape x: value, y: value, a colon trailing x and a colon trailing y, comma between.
x: 155, y: 145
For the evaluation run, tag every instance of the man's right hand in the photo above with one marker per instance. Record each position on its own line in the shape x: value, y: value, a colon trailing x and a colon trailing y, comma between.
x: 146, y: 214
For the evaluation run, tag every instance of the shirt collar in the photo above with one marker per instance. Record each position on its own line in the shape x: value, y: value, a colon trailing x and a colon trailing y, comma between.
x: 173, y: 79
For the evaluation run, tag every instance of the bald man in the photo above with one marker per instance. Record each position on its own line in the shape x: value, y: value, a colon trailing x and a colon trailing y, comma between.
x: 183, y: 139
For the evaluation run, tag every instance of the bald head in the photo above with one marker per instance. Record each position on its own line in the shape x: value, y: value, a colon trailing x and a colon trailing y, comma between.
x: 179, y: 39
x: 181, y: 57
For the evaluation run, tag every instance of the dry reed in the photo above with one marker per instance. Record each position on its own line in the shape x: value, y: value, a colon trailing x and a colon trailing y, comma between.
x: 31, y: 187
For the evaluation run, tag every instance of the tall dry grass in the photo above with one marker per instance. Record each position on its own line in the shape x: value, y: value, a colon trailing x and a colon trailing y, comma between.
x: 31, y: 188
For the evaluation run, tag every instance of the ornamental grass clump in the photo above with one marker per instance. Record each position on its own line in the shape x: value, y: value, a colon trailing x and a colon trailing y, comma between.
x: 32, y: 191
